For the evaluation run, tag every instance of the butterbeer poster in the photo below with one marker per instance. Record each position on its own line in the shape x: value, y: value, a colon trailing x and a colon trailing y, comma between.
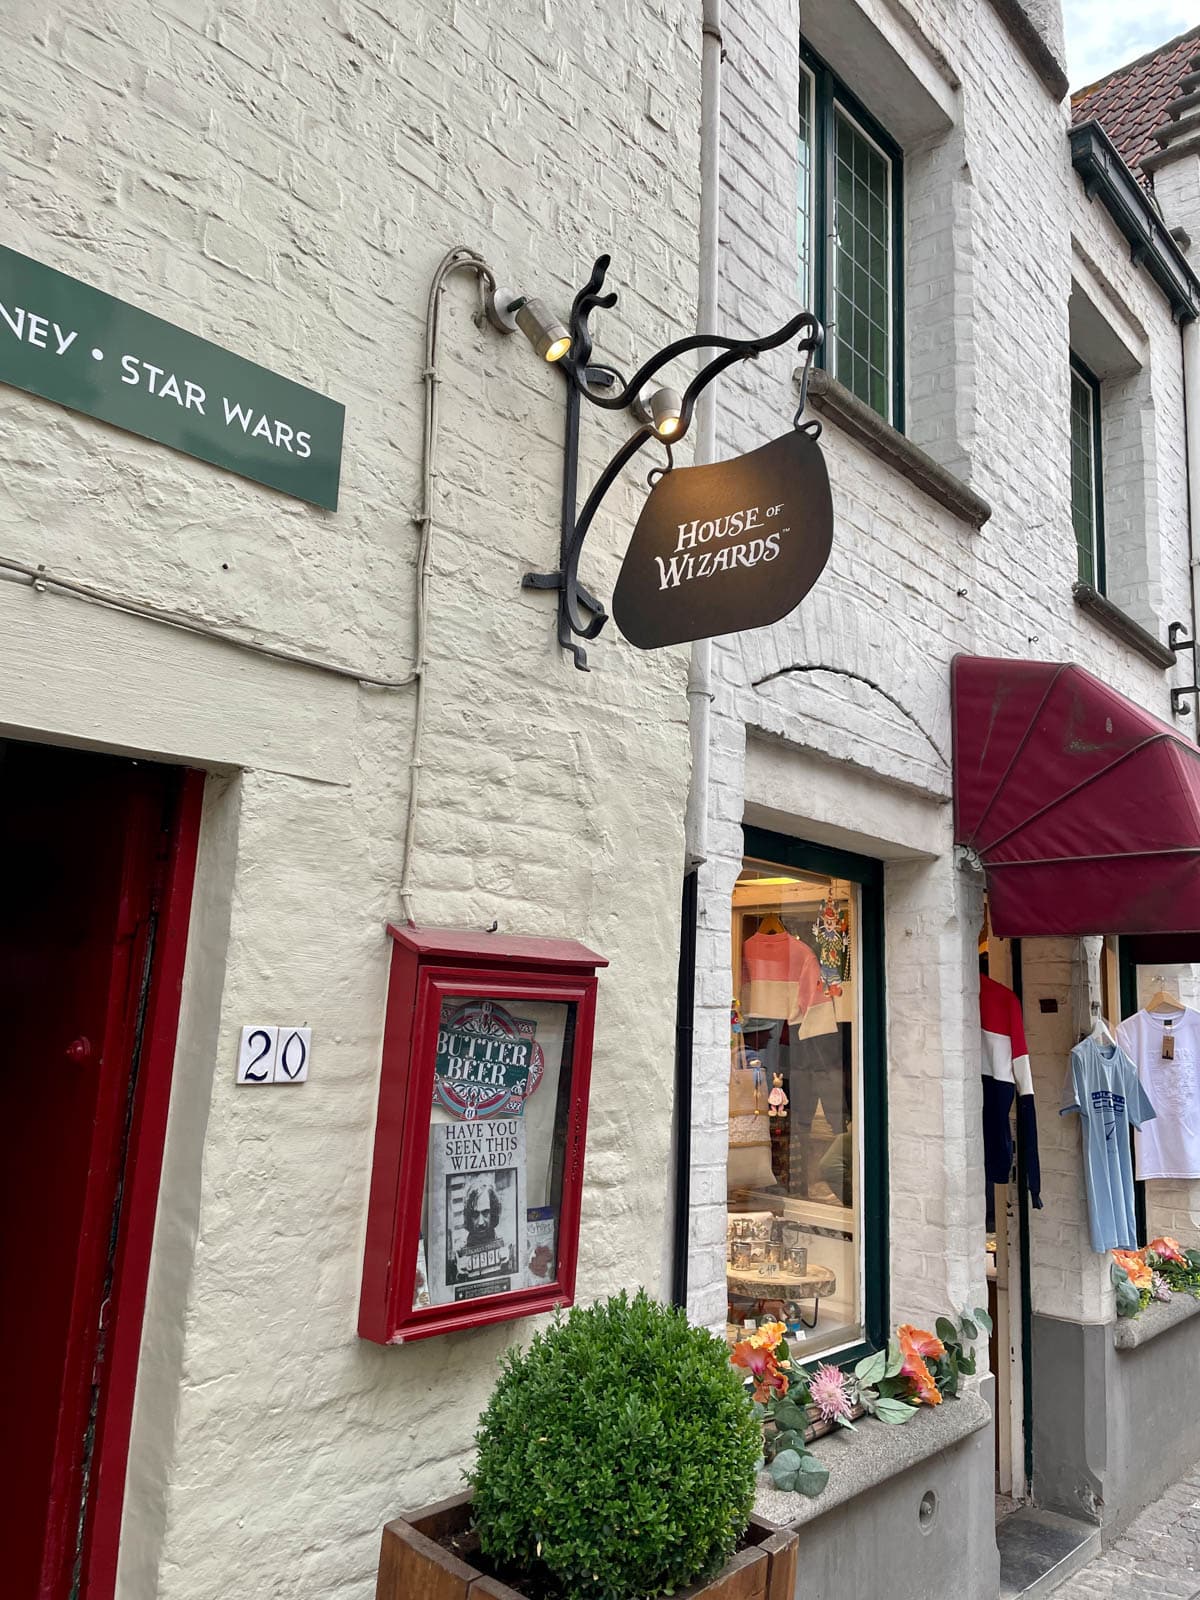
x: 477, y: 1225
x: 488, y: 1061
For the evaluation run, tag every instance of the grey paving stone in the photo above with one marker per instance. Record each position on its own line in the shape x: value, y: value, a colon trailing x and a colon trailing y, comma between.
x: 1157, y: 1558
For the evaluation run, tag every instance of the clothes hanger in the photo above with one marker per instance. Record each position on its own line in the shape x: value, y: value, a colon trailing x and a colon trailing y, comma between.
x: 1162, y: 1000
x: 772, y: 923
x: 1100, y: 1028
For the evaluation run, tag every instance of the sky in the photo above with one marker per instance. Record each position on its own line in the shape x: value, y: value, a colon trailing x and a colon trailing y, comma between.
x: 1104, y: 34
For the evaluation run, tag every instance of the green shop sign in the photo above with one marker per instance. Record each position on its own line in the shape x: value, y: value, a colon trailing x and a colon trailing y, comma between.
x: 68, y: 342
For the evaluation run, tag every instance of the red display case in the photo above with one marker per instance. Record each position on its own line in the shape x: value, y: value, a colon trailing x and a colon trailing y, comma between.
x: 479, y: 1141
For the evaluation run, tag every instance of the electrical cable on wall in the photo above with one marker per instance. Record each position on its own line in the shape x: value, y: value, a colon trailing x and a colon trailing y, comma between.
x: 460, y: 259
x: 42, y: 580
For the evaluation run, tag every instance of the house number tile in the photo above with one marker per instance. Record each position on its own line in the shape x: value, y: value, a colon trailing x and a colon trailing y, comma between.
x: 270, y: 1053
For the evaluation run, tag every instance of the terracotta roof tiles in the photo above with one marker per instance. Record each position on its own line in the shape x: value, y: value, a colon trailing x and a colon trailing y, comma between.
x: 1131, y: 102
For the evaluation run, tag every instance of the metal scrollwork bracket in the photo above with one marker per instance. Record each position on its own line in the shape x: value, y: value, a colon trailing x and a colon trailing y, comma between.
x: 580, y: 614
x: 1178, y: 640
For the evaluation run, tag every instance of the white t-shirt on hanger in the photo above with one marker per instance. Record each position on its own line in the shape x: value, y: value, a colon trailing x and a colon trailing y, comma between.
x: 1168, y: 1147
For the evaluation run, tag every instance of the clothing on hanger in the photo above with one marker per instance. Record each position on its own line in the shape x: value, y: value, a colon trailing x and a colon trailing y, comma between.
x: 1163, y: 1000
x: 1103, y: 1087
x: 781, y: 976
x: 1006, y: 1076
x: 1100, y: 1029
x: 1165, y: 1048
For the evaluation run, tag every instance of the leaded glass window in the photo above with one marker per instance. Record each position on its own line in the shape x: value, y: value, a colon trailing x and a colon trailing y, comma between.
x: 861, y: 265
x: 849, y: 268
x: 1086, y: 491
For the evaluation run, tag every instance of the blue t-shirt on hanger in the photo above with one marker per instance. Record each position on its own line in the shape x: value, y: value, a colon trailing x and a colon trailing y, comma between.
x: 1103, y: 1087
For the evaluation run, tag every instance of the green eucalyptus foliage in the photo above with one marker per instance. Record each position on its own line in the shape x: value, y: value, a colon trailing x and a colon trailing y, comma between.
x: 617, y: 1455
x: 1129, y: 1299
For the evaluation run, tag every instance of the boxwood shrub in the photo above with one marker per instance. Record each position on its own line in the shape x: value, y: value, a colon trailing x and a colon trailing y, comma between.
x: 617, y: 1456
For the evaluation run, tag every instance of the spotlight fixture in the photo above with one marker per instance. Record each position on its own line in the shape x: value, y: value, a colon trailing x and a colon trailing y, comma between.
x: 663, y: 410
x: 666, y: 408
x: 508, y: 312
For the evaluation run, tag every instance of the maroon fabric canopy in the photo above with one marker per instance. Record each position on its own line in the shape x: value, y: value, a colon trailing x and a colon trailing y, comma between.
x: 1083, y: 809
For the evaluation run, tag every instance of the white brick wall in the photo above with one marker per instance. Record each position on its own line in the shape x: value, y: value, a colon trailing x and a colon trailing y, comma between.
x: 284, y: 183
x: 991, y: 207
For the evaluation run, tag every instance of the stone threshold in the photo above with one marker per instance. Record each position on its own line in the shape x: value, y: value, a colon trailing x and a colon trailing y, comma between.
x: 854, y: 417
x: 873, y: 1453
x: 1158, y: 1317
x: 1122, y: 626
x: 1040, y: 1550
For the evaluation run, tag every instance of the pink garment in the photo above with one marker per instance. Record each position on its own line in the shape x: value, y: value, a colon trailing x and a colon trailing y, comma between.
x: 781, y: 977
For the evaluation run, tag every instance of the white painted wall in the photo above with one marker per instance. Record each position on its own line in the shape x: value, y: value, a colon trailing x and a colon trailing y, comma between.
x: 284, y: 184
x: 997, y: 224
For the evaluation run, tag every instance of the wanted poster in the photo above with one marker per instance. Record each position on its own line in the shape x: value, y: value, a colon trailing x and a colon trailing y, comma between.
x: 477, y: 1227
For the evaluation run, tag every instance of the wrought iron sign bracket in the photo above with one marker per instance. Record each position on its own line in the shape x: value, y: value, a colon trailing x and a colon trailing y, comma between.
x: 580, y: 614
x: 1177, y: 640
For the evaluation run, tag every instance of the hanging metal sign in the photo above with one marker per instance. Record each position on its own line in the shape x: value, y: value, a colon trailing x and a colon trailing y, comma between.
x: 76, y: 345
x: 721, y: 548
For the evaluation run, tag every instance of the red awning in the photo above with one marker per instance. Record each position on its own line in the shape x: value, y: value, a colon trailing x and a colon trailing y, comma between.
x: 1083, y: 809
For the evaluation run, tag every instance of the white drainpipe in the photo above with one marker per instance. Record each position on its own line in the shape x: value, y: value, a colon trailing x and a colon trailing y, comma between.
x: 1191, y: 401
x: 700, y: 693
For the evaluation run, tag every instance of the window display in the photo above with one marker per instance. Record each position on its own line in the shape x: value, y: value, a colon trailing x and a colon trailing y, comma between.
x: 478, y: 1169
x: 494, y: 1174
x: 795, y: 1181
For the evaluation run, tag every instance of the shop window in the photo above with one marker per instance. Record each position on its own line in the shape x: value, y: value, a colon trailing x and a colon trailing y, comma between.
x: 806, y: 1167
x: 848, y: 228
x: 1087, y: 494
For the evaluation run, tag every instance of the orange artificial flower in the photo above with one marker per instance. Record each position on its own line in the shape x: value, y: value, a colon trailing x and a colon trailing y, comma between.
x: 768, y: 1336
x: 1167, y: 1249
x: 915, y: 1345
x: 753, y: 1354
x: 1134, y: 1263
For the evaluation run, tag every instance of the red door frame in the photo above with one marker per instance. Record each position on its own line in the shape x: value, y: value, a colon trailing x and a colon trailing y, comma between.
x: 139, y: 1200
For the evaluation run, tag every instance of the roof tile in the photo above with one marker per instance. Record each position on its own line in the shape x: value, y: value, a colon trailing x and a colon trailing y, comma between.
x: 1131, y: 102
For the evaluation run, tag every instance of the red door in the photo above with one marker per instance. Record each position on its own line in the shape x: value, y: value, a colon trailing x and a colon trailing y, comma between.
x: 87, y: 847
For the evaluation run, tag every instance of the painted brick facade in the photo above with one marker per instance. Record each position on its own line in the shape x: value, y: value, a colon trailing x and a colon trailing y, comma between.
x: 284, y: 183
x: 853, y: 688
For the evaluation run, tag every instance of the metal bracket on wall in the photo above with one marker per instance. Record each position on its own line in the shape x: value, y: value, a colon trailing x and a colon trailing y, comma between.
x: 1177, y: 640
x: 580, y: 614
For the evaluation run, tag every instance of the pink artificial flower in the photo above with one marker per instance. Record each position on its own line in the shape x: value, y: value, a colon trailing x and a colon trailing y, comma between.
x: 1167, y: 1249
x: 829, y: 1391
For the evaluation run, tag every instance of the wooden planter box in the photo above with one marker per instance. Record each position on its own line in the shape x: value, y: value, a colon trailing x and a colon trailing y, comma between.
x: 415, y: 1563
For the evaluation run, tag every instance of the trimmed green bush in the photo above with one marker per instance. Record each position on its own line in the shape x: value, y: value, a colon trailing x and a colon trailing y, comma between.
x: 617, y: 1456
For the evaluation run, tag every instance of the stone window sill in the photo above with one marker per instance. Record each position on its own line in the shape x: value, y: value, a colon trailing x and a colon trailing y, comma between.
x: 1159, y: 1315
x: 854, y: 417
x: 872, y: 1454
x: 1122, y: 626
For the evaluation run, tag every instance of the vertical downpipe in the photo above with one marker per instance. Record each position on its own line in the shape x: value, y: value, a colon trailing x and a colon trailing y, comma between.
x: 699, y: 689
x: 1190, y: 339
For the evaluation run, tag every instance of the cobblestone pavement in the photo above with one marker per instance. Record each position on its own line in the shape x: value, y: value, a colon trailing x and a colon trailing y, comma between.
x: 1157, y: 1558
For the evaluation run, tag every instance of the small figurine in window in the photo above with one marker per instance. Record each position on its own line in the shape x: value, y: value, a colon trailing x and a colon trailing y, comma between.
x: 777, y: 1100
x: 831, y: 932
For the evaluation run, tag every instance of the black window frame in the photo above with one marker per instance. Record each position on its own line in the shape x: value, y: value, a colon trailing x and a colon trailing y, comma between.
x: 829, y: 95
x: 1099, y: 578
x: 760, y: 844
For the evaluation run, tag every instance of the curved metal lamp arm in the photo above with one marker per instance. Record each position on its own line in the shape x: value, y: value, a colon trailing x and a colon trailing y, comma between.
x: 576, y: 368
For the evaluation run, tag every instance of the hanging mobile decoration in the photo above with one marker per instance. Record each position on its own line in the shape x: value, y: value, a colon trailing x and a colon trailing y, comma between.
x: 832, y: 934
